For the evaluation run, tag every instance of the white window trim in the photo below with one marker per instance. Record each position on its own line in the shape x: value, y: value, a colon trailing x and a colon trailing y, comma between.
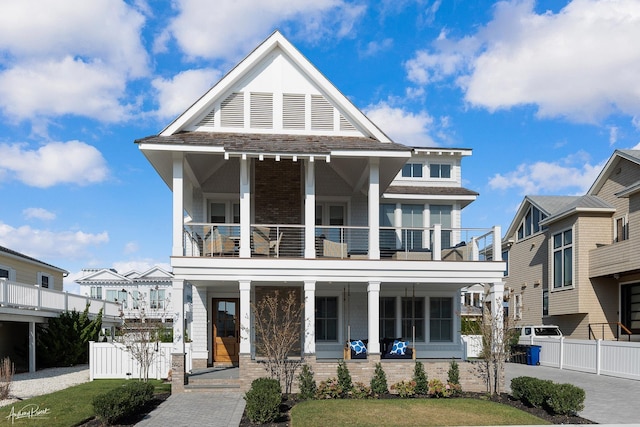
x: 50, y: 277
x: 12, y: 272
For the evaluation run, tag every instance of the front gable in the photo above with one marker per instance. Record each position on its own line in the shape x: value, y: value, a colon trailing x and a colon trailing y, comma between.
x: 155, y: 273
x: 275, y: 90
x: 104, y: 275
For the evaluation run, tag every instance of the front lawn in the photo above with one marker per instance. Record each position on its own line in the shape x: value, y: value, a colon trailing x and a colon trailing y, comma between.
x: 407, y: 412
x: 64, y: 408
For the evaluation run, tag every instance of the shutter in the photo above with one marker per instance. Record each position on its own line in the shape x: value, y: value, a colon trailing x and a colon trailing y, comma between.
x: 232, y: 111
x: 293, y: 106
x: 321, y: 113
x: 262, y: 110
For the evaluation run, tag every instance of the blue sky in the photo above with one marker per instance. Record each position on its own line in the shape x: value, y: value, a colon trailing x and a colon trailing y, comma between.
x: 543, y: 92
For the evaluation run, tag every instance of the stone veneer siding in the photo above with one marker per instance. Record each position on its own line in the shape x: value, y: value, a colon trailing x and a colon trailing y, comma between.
x: 471, y: 377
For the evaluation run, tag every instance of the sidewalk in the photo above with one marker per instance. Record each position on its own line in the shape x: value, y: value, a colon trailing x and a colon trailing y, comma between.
x: 609, y: 400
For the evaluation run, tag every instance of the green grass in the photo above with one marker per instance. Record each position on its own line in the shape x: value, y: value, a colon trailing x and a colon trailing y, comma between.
x: 407, y: 412
x: 64, y: 408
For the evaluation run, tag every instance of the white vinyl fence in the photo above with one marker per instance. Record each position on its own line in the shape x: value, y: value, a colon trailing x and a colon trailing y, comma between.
x: 612, y: 358
x: 114, y: 360
x: 472, y: 345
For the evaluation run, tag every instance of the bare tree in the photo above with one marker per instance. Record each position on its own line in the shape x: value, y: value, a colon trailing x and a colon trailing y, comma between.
x: 277, y: 324
x: 6, y: 377
x: 497, y: 336
x: 141, y: 335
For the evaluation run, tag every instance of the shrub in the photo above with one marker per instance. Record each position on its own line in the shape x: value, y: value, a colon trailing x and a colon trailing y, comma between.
x: 420, y: 378
x: 438, y: 389
x: 307, y: 383
x: 360, y: 391
x: 405, y: 388
x: 344, y: 378
x: 122, y: 401
x: 531, y: 391
x: 6, y: 377
x: 566, y: 399
x: 453, y: 375
x: 329, y: 389
x: 263, y: 400
x: 379, y: 381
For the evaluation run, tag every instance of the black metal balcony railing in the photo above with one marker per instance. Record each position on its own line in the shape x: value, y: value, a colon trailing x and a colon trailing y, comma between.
x: 341, y: 242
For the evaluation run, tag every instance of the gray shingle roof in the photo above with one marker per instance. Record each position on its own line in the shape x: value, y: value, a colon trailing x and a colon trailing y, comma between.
x: 18, y: 254
x: 580, y: 203
x: 274, y: 143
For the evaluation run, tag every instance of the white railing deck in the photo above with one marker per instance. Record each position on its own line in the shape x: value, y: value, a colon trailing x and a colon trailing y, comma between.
x: 36, y: 300
x: 612, y: 358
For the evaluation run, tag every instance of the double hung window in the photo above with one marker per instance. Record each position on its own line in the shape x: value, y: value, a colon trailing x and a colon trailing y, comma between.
x: 441, y: 319
x: 326, y: 318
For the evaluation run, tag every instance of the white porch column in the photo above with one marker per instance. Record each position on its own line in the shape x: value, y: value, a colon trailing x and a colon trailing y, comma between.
x: 32, y: 346
x: 497, y: 243
x: 178, y: 316
x: 436, y: 251
x: 373, y: 292
x: 309, y: 317
x: 245, y: 316
x: 496, y: 297
x: 178, y: 205
x: 309, y: 209
x: 374, y: 209
x: 245, y: 208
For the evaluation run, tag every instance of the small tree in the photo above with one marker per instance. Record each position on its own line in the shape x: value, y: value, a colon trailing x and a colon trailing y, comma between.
x: 379, y: 381
x: 6, y: 377
x: 307, y: 383
x: 277, y: 324
x: 420, y: 378
x: 453, y: 374
x: 142, y: 336
x: 497, y: 336
x: 344, y: 378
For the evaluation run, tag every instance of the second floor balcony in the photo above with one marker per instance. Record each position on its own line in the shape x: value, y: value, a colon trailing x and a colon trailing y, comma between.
x: 342, y: 242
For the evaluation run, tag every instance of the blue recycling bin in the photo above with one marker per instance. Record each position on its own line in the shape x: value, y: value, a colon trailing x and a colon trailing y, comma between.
x: 533, y: 354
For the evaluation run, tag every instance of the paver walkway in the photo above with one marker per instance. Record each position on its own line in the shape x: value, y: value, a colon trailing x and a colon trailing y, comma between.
x: 211, y: 409
x: 609, y: 400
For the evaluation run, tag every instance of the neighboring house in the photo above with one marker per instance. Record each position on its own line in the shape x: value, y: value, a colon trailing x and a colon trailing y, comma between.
x: 141, y: 295
x: 288, y: 186
x: 471, y: 301
x: 573, y: 260
x: 31, y: 293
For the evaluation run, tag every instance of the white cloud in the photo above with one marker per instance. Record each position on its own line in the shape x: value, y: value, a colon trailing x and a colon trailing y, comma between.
x: 72, y: 162
x: 375, y: 47
x: 38, y: 213
x: 404, y: 127
x: 69, y: 57
x: 47, y: 244
x: 573, y: 174
x: 131, y: 247
x: 236, y: 26
x: 580, y: 63
x: 176, y: 95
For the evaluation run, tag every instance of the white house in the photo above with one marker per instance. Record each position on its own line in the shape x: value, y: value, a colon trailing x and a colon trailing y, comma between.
x: 288, y: 185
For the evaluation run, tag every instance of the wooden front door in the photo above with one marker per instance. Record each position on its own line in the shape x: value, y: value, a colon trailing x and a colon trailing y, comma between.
x: 226, y: 331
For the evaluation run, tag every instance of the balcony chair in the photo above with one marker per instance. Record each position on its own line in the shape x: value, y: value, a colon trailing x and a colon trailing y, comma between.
x: 218, y: 244
x: 262, y: 243
x: 332, y: 249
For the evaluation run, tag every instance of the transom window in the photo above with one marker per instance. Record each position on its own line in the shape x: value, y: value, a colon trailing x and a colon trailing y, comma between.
x: 412, y: 170
x: 439, y: 170
x: 326, y: 318
x: 531, y: 222
x: 563, y: 259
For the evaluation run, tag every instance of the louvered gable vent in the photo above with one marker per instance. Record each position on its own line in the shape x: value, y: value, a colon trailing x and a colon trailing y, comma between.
x: 321, y: 113
x: 293, y: 109
x: 232, y: 111
x: 209, y: 119
x: 346, y: 124
x: 261, y: 110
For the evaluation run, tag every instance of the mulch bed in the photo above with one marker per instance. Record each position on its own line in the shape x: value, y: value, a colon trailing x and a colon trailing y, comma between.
x: 504, y: 398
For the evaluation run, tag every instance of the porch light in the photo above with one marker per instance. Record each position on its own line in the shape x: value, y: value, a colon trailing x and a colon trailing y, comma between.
x: 295, y: 158
x: 311, y: 159
x: 277, y: 157
x: 328, y: 160
x: 226, y: 155
x: 261, y: 157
